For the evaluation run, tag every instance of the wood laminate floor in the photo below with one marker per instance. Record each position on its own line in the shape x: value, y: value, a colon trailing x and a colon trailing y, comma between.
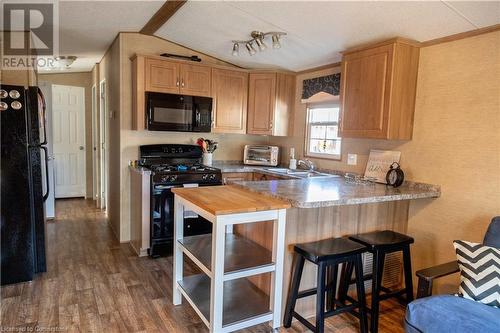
x: 96, y: 284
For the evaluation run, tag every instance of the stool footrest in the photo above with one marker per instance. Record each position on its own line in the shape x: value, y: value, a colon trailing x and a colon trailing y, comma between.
x: 307, y: 293
x: 397, y: 293
x: 304, y: 321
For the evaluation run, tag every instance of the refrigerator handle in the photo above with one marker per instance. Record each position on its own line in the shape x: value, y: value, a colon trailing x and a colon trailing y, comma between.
x: 44, y: 119
x: 46, y: 153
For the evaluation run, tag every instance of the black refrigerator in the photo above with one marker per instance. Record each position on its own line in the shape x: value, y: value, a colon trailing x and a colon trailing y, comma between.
x: 22, y: 166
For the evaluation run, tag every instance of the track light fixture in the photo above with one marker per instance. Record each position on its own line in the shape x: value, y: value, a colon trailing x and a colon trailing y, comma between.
x: 258, y: 38
x: 250, y: 48
x: 276, y: 42
x: 236, y: 49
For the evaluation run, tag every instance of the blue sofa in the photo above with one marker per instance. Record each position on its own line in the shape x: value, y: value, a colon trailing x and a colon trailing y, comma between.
x: 449, y: 313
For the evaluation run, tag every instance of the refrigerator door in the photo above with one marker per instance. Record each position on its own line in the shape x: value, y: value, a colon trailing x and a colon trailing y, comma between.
x: 38, y: 172
x: 17, y: 232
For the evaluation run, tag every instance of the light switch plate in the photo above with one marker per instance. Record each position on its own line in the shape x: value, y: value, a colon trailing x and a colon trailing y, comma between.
x: 352, y: 159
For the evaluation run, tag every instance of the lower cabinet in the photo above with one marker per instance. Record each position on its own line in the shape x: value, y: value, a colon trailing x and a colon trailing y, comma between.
x: 230, y: 177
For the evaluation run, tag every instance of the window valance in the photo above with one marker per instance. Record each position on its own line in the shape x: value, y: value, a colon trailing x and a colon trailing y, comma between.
x: 329, y: 84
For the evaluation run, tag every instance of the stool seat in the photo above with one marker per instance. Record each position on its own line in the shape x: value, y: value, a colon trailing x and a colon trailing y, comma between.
x: 328, y: 249
x: 379, y: 244
x: 327, y: 254
x: 379, y: 239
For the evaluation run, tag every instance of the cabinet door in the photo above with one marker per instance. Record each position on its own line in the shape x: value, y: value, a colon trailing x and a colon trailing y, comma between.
x: 195, y: 80
x: 366, y: 84
x: 261, y: 103
x: 230, y: 177
x: 162, y: 76
x: 230, y: 92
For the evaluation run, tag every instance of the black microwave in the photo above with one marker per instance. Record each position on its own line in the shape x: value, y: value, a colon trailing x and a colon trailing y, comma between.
x: 178, y: 113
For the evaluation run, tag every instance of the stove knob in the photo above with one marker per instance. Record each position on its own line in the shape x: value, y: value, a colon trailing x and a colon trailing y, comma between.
x: 173, y: 178
x: 204, y: 177
x: 164, y: 179
x: 212, y: 177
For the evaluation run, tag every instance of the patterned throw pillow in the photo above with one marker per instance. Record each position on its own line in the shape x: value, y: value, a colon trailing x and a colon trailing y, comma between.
x: 479, y: 272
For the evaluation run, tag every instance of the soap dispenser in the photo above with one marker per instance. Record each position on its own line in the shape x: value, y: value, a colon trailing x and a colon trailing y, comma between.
x: 293, y: 162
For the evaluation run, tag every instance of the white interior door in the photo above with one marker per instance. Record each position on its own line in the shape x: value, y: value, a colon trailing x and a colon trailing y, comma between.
x: 68, y: 112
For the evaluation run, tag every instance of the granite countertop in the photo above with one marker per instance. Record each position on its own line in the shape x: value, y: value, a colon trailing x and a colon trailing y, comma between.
x: 139, y: 169
x: 235, y: 166
x: 336, y: 191
x: 328, y: 191
x: 323, y: 191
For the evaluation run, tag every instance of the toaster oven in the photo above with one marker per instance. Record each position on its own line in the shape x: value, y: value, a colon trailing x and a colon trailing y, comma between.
x: 261, y: 155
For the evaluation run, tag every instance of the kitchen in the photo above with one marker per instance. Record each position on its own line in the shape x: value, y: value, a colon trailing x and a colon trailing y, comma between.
x: 269, y: 109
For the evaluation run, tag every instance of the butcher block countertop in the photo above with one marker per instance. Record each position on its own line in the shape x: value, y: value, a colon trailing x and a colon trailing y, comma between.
x: 229, y: 199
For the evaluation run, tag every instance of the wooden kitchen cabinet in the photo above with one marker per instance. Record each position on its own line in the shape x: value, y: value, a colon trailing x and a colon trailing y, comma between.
x: 195, y: 80
x: 230, y: 177
x: 177, y: 78
x: 162, y: 76
x: 156, y: 74
x: 378, y: 89
x: 264, y: 176
x: 270, y: 103
x: 230, y: 94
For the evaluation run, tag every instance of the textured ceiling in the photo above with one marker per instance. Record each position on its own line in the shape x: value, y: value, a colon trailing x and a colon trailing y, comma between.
x: 87, y: 28
x: 317, y: 30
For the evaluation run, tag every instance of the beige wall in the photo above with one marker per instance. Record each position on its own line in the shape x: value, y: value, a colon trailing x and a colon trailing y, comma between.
x: 124, y: 47
x: 109, y: 71
x: 456, y: 144
x: 79, y: 80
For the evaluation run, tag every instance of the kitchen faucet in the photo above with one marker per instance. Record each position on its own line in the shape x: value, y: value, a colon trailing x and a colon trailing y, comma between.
x: 307, y: 163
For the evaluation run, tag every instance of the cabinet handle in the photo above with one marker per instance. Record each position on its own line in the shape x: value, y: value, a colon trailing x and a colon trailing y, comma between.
x: 182, y: 83
x: 271, y: 125
x: 177, y: 83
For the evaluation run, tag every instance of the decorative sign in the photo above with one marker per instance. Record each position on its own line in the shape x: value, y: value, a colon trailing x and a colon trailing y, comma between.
x: 379, y: 163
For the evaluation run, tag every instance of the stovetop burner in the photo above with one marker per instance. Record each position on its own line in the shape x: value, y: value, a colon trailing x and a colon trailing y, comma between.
x: 168, y: 168
x: 176, y: 164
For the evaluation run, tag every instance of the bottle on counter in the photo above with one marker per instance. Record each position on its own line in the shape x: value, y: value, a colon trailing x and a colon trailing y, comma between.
x: 293, y: 162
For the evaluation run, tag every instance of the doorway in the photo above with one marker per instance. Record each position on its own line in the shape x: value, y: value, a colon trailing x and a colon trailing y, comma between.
x: 68, y: 114
x: 102, y: 143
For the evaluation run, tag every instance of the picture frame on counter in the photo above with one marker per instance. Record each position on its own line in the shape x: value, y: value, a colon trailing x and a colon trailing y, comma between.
x: 379, y: 162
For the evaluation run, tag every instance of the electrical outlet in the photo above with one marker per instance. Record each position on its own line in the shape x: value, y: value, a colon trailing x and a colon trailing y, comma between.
x: 352, y: 159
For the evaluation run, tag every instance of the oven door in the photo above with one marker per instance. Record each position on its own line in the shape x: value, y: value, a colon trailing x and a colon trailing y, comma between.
x: 162, y: 221
x: 180, y: 113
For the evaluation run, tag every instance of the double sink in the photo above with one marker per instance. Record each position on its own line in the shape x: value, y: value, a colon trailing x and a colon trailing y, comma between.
x: 297, y: 173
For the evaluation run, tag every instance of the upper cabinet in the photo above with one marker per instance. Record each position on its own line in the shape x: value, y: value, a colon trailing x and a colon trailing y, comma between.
x: 230, y: 94
x: 255, y: 103
x: 195, y: 80
x: 270, y: 102
x: 166, y: 76
x: 378, y: 88
x: 162, y: 76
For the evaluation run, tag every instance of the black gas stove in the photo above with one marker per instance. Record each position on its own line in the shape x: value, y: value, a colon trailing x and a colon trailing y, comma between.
x: 174, y: 165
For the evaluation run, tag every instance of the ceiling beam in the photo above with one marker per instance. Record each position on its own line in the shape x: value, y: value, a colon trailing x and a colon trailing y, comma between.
x: 169, y: 8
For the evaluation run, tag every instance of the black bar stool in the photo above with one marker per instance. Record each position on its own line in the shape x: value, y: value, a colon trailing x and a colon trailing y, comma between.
x: 380, y: 243
x: 327, y: 255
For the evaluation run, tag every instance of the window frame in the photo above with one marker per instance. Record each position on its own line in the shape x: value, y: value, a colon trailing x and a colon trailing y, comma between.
x: 307, y: 139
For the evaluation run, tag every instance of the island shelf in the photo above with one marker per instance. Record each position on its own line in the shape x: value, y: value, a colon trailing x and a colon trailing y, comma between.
x: 222, y: 295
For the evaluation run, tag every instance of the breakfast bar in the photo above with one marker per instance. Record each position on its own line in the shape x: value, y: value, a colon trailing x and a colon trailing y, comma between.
x: 248, y: 256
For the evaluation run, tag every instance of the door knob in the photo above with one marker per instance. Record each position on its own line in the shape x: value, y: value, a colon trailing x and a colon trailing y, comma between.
x: 81, y: 147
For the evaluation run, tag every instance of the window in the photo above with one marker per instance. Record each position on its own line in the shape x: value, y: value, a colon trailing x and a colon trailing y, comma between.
x: 322, y: 138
